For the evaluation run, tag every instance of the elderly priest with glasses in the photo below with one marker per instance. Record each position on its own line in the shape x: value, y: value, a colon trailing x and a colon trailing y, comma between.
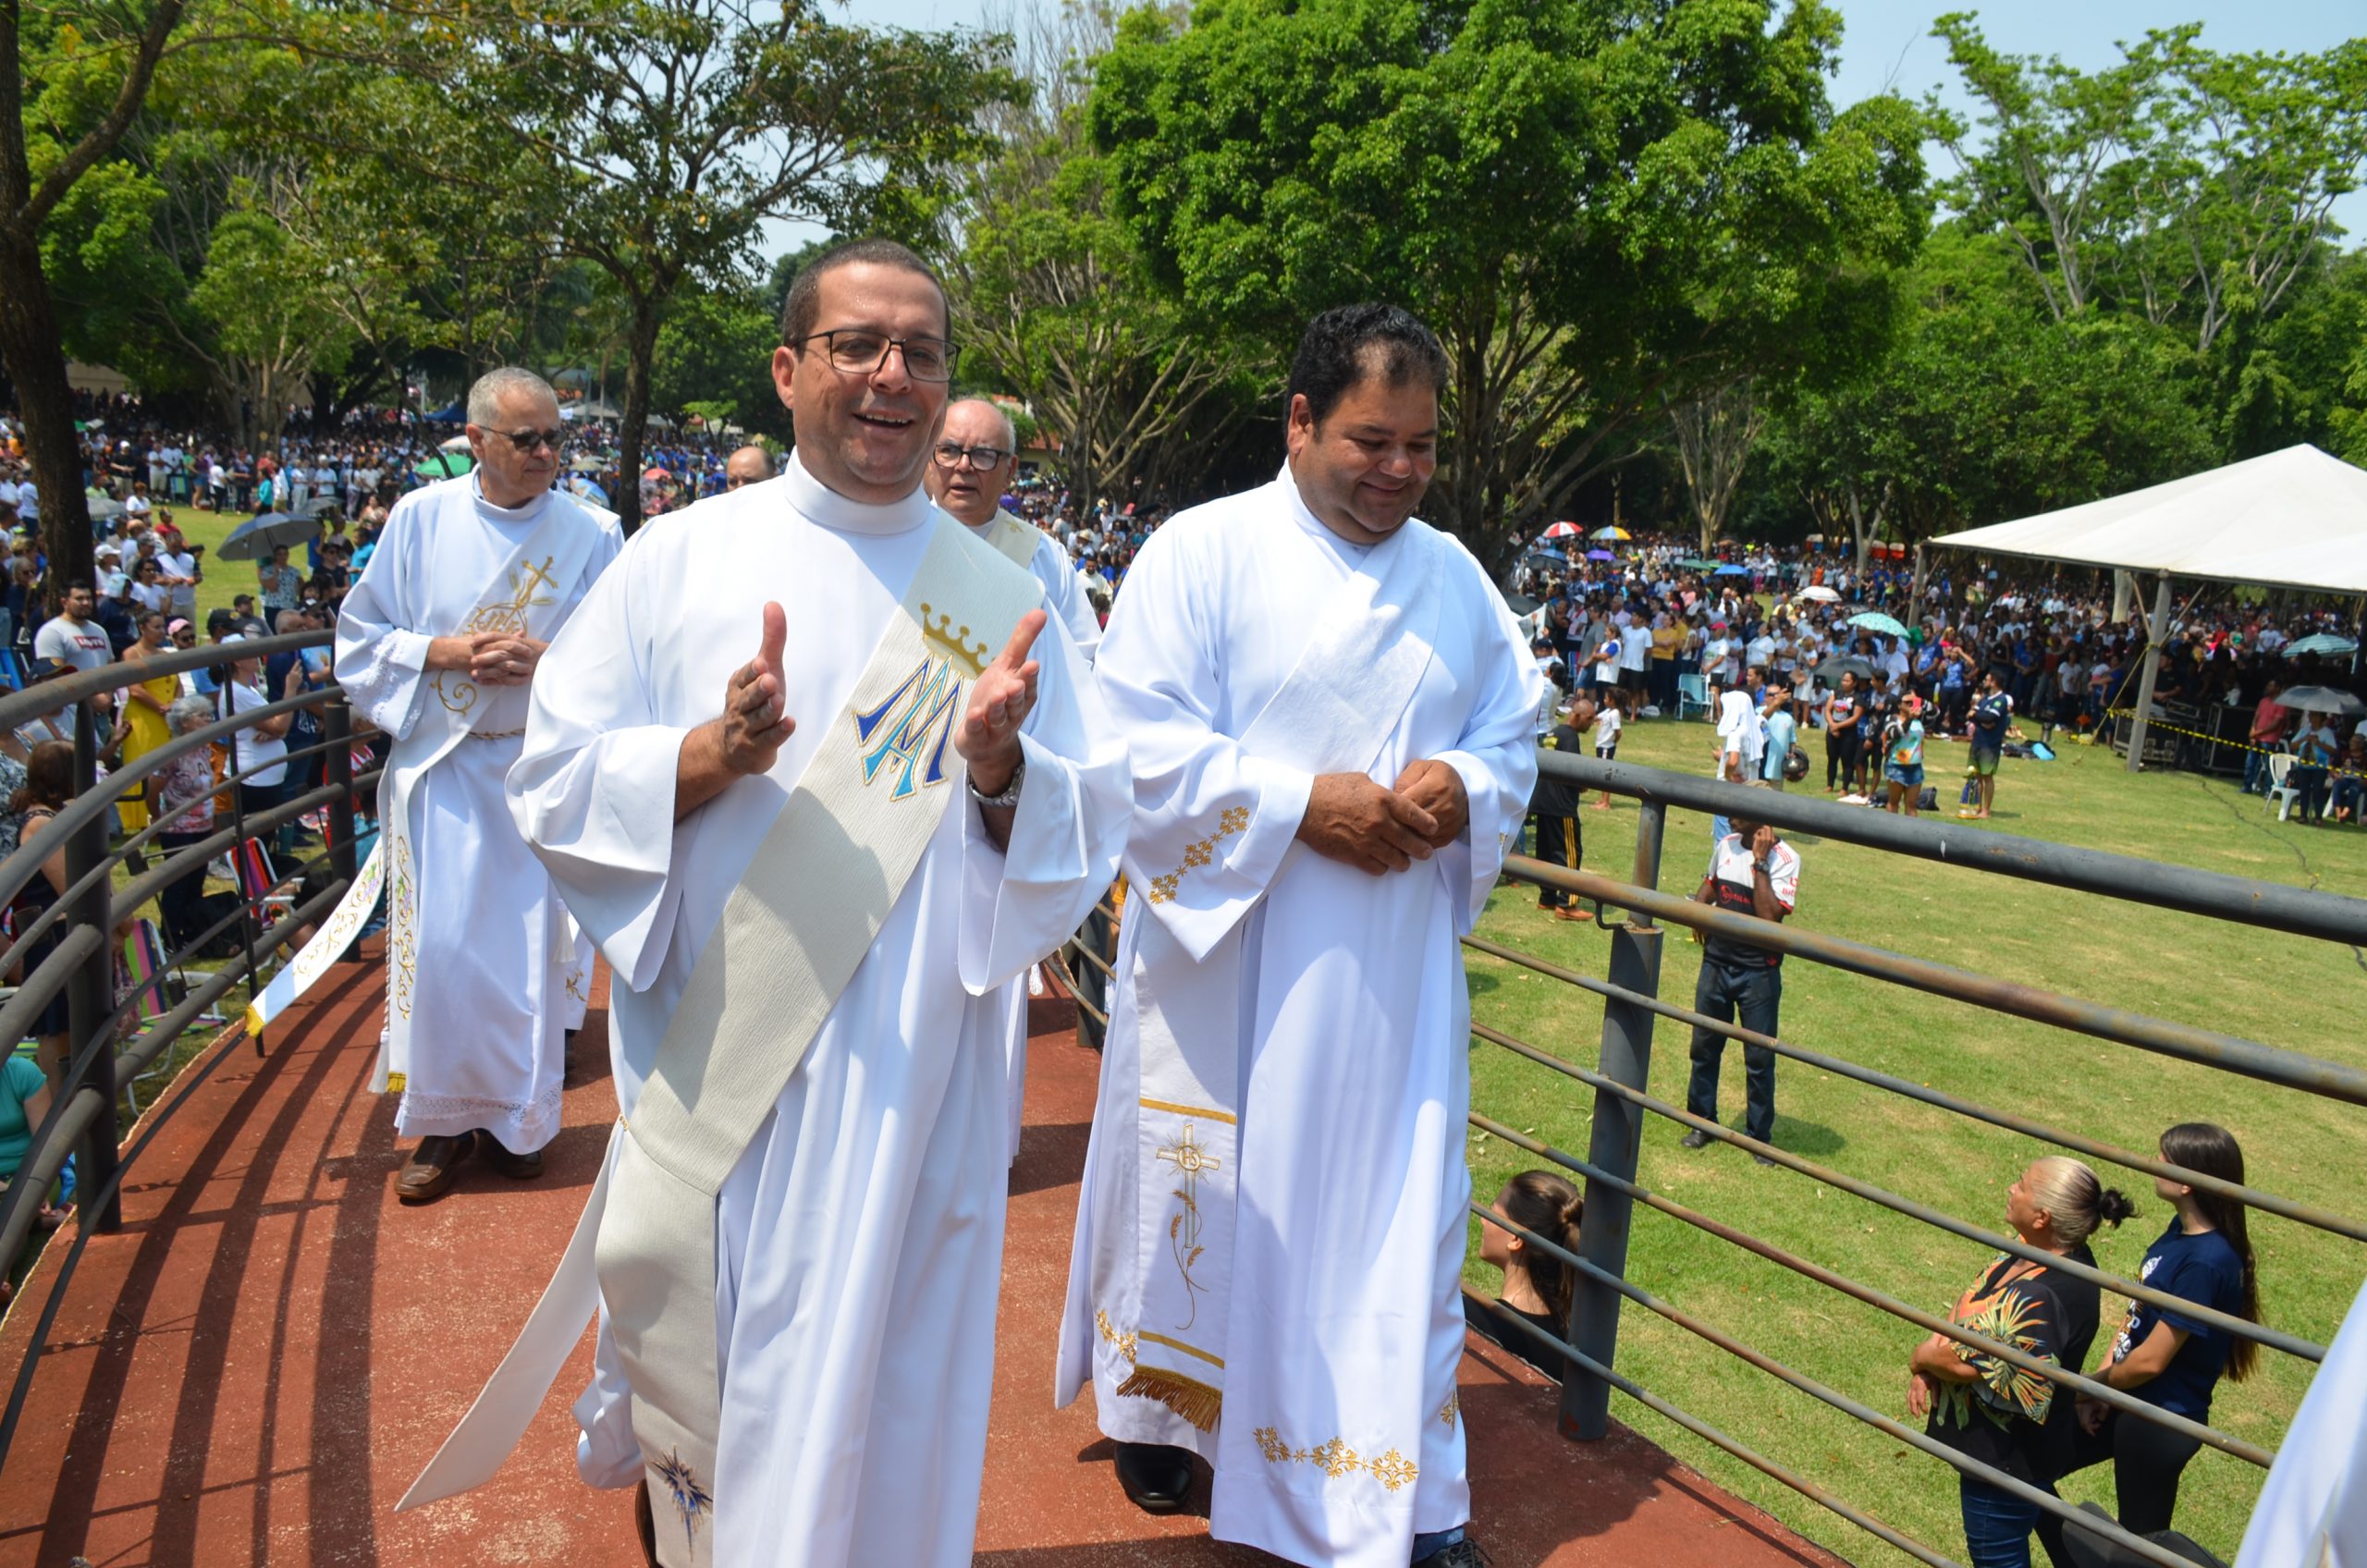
x: 977, y: 457
x: 471, y: 581
x: 810, y: 849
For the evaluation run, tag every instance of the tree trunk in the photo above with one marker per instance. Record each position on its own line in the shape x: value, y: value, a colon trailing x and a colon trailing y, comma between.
x: 36, y: 365
x: 641, y: 358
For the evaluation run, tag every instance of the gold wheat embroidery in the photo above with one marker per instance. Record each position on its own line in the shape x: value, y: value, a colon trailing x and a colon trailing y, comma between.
x: 1200, y: 852
x: 1337, y: 1460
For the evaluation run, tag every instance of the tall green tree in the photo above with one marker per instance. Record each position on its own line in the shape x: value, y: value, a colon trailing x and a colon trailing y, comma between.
x: 1603, y: 206
x: 672, y: 130
x: 1059, y: 303
x: 72, y: 81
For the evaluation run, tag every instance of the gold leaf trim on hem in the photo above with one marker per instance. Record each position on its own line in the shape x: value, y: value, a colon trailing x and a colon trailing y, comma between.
x: 1451, y: 1409
x: 1337, y: 1460
x: 1123, y: 1343
x: 1200, y: 852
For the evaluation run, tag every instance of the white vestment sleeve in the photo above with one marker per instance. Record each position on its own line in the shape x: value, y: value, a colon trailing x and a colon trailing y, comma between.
x: 592, y: 791
x: 1497, y: 757
x: 1212, y: 823
x: 1074, y: 806
x: 382, y: 663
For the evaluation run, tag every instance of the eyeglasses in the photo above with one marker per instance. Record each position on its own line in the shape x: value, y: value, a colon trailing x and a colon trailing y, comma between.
x: 951, y: 453
x: 527, y: 440
x: 858, y: 351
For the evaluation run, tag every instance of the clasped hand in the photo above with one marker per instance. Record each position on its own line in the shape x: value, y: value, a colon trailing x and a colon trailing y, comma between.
x: 490, y: 659
x: 1355, y: 821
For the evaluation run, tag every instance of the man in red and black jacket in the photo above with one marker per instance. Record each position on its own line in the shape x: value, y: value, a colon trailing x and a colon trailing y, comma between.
x: 1751, y: 871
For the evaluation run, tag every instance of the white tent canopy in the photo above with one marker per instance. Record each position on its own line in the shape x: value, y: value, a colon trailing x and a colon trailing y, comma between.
x: 2294, y: 519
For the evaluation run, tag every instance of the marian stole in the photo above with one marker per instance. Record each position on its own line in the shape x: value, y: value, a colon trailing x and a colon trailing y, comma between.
x: 1016, y: 540
x: 524, y: 599
x: 790, y: 937
x: 1342, y: 700
x: 521, y: 600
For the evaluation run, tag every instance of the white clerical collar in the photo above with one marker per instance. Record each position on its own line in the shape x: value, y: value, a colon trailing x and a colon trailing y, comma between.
x: 842, y: 514
x: 504, y: 514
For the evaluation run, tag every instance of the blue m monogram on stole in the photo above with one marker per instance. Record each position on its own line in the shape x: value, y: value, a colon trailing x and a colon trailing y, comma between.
x: 913, y: 724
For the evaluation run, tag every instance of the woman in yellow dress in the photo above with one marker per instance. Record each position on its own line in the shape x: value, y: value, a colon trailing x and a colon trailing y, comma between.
x: 145, y: 707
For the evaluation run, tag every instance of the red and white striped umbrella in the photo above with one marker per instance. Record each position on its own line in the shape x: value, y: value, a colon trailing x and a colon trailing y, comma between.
x: 1561, y: 531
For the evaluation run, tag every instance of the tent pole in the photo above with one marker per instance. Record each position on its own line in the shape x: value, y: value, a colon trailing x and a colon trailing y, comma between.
x: 2160, y: 630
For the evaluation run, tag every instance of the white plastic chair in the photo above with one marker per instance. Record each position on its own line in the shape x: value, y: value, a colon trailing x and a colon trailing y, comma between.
x: 2281, y: 794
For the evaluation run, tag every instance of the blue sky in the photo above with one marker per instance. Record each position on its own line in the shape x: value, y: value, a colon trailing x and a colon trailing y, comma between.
x: 1889, y: 43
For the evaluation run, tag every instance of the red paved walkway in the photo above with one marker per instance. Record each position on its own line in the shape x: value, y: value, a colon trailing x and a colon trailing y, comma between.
x: 256, y: 1367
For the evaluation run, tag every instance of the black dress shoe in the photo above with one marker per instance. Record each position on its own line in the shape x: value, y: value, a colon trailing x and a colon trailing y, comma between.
x: 516, y: 1167
x: 1155, y: 1477
x: 1697, y: 1139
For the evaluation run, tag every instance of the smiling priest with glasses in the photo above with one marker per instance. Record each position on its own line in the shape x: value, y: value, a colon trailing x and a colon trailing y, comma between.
x: 810, y: 847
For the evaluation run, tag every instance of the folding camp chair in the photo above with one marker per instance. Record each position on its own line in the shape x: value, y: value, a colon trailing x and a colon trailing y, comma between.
x: 1692, y: 691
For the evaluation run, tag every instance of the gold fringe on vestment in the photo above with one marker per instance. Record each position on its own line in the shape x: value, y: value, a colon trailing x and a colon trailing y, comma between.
x: 1195, y: 1401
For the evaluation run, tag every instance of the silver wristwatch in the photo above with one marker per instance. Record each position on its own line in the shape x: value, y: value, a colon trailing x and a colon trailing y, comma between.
x: 1010, y: 796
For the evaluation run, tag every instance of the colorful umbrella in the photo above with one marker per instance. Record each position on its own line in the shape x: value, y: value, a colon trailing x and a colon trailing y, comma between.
x: 1600, y: 555
x: 1873, y: 621
x: 1608, y: 533
x: 1561, y: 531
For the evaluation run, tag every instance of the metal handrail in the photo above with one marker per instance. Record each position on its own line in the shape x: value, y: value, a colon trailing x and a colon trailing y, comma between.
x: 2276, y: 1339
x: 2047, y: 1501
x: 2301, y: 912
x: 1857, y: 1289
x: 1629, y: 985
x: 2251, y: 1198
x: 80, y: 1120
x: 2205, y: 1046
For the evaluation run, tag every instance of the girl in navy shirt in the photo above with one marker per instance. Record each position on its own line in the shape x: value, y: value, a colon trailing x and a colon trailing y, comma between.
x: 2165, y: 1357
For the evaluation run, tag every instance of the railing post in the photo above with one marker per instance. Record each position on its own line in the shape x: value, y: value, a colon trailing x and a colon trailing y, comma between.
x: 1615, y: 1143
x: 90, y: 991
x: 336, y: 729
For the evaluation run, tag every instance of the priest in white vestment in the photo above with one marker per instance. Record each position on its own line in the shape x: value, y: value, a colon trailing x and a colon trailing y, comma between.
x: 436, y: 646
x: 1331, y: 718
x: 858, y: 1238
x: 977, y: 457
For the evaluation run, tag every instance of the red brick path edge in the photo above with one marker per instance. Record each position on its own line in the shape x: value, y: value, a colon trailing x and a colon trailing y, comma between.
x: 257, y: 1367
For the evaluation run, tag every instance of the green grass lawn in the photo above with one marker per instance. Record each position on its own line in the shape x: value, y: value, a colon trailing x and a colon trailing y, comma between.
x: 224, y: 580
x: 2288, y: 991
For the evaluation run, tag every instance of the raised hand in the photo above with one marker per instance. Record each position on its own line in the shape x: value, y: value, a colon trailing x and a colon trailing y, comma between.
x: 1438, y: 789
x: 1355, y: 821
x: 755, y: 719
x: 1001, y: 700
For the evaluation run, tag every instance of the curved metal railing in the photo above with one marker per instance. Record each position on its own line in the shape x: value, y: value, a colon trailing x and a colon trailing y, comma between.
x: 98, y: 1064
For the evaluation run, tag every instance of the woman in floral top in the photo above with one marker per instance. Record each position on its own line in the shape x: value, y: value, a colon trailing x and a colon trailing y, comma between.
x: 181, y: 794
x: 2006, y: 1416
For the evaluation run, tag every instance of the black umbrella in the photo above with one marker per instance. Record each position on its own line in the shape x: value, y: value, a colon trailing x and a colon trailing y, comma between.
x: 255, y: 540
x: 1832, y: 669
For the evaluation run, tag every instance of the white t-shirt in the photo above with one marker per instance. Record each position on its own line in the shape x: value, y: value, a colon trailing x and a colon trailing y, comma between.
x: 152, y: 596
x: 28, y: 501
x: 250, y: 749
x: 1761, y: 652
x: 1606, y: 727
x: 84, y: 646
x: 1635, y: 646
x: 1606, y: 662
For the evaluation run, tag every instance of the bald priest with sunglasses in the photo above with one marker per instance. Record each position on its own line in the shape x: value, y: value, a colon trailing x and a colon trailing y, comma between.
x: 815, y: 809
x: 471, y: 579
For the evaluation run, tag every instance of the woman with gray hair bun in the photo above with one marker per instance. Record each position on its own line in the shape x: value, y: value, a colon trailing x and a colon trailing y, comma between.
x: 2003, y: 1416
x: 180, y: 795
